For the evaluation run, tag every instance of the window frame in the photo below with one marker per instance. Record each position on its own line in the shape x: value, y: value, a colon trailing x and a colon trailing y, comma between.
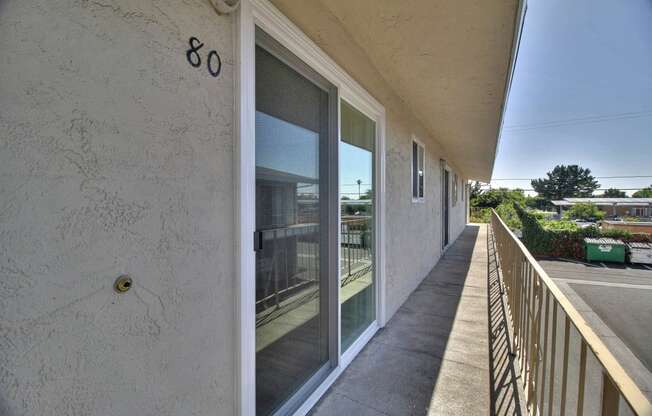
x: 455, y: 190
x: 419, y: 145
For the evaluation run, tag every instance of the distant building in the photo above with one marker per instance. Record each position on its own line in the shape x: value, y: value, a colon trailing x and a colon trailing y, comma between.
x: 613, y: 207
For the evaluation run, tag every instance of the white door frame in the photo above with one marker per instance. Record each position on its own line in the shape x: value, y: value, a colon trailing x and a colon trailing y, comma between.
x: 446, y: 204
x: 263, y: 14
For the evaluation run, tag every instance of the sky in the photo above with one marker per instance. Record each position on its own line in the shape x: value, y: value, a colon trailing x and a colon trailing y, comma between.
x: 355, y: 163
x: 286, y: 147
x: 581, y: 93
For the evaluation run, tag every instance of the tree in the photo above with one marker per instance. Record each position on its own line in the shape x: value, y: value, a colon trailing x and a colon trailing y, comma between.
x: 566, y: 182
x: 494, y: 197
x: 538, y: 202
x: 584, y: 211
x: 614, y: 193
x: 475, y: 189
x: 644, y: 193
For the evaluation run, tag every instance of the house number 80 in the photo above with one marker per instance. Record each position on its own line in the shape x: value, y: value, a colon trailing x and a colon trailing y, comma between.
x: 213, y: 61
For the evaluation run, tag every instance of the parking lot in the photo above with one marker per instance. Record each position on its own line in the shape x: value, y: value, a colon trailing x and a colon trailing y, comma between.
x: 616, y: 300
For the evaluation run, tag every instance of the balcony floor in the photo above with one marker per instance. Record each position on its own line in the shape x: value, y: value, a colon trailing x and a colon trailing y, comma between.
x: 434, y: 356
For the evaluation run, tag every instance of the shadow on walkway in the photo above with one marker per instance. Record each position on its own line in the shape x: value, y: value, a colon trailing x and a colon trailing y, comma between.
x: 506, y: 396
x: 432, y: 356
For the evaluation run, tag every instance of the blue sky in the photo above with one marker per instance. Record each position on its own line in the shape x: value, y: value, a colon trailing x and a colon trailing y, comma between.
x: 355, y: 163
x: 582, y: 93
x: 290, y: 148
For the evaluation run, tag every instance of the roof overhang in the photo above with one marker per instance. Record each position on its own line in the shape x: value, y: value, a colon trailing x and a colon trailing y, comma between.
x: 612, y: 201
x: 449, y: 62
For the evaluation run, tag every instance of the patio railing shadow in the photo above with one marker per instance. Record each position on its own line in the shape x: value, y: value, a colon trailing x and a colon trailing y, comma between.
x: 506, y: 398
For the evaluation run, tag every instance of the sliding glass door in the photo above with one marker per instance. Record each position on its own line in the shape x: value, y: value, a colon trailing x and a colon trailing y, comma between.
x: 300, y: 163
x: 357, y: 228
x: 296, y: 228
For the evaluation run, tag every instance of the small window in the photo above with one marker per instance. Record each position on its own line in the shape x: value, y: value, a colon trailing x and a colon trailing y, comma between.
x: 418, y: 171
x: 455, y: 189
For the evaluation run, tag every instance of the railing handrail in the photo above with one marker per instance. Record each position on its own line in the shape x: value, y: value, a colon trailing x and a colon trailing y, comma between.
x: 624, y: 383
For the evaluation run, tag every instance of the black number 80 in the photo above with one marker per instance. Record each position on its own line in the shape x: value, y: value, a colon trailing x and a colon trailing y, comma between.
x: 194, y: 59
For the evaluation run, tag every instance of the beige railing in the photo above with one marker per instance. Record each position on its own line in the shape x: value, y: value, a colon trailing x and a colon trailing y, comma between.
x: 536, y: 307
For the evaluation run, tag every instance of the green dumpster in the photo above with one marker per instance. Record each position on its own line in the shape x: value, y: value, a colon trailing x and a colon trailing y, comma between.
x: 604, y: 249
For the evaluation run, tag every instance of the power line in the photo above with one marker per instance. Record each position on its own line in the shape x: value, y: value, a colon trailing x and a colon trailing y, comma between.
x: 596, y: 177
x: 579, y: 120
x: 599, y: 189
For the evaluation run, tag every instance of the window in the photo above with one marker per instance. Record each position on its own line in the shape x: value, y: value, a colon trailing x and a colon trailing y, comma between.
x: 455, y: 189
x: 418, y: 171
x: 358, y: 225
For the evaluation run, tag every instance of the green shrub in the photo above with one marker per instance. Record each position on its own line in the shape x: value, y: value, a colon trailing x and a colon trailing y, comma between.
x: 507, y: 212
x: 541, y: 215
x: 559, y: 225
x: 553, y: 238
x: 565, y: 238
x: 492, y: 198
x: 480, y: 215
x: 584, y: 211
x: 616, y: 233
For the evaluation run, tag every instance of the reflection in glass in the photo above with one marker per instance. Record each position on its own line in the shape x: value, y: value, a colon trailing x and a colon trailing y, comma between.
x: 357, y: 288
x: 291, y: 289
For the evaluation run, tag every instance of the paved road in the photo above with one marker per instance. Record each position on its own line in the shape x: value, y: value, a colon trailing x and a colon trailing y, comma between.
x: 614, y: 299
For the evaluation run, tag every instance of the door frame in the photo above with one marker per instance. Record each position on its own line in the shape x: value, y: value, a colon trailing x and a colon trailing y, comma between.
x: 445, y: 204
x: 261, y: 13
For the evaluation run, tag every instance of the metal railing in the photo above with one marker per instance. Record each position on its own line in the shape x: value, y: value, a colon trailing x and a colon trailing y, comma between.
x: 536, y: 307
x: 287, y: 263
x: 356, y: 247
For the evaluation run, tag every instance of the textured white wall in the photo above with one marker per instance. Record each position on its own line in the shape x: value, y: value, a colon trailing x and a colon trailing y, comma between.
x: 115, y: 157
x: 414, y: 229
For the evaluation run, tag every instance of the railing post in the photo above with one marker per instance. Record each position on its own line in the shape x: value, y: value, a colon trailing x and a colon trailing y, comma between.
x: 544, y: 363
x: 610, y: 397
x: 535, y: 342
x: 564, y: 377
x: 553, y: 347
x: 581, y: 380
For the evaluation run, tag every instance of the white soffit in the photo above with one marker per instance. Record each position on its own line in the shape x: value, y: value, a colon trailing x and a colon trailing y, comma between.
x: 448, y: 60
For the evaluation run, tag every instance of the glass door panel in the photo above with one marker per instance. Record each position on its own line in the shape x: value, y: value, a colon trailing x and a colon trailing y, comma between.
x: 294, y: 318
x: 357, y: 228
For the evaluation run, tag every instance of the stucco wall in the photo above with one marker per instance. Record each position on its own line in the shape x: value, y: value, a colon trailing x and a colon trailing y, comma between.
x: 115, y: 157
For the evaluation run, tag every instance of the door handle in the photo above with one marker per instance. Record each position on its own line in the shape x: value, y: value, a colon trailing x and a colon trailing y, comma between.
x: 258, y: 240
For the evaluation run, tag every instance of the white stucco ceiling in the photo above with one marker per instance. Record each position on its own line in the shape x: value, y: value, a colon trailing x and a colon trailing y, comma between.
x: 447, y: 60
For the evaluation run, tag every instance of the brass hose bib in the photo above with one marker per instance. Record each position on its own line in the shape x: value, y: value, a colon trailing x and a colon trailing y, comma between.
x: 123, y: 283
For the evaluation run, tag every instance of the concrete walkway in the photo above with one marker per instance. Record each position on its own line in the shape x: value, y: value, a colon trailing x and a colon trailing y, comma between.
x: 432, y: 358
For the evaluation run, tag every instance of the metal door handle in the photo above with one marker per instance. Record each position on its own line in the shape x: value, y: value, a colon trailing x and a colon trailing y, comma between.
x: 258, y: 240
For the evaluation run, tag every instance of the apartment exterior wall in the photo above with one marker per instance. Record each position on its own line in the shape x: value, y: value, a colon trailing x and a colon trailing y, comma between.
x: 623, y: 210
x: 118, y: 158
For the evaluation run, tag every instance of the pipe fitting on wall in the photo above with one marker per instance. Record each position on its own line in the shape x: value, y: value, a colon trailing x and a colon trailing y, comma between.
x: 225, y: 6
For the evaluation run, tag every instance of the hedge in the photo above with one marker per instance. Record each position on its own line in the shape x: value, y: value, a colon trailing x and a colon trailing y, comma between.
x: 567, y: 243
